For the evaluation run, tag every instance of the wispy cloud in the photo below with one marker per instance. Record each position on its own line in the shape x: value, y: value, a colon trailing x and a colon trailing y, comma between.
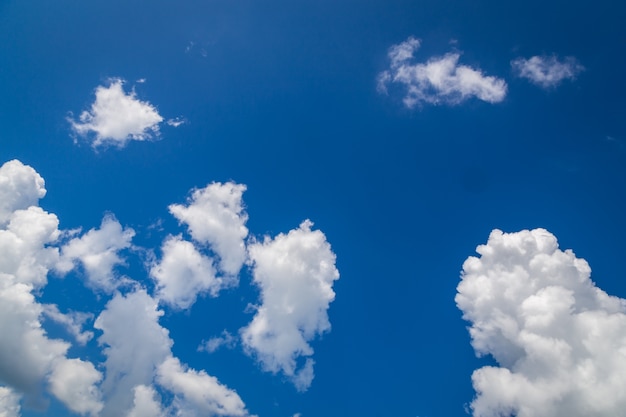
x: 117, y: 117
x: 547, y: 71
x: 440, y: 80
x: 558, y: 339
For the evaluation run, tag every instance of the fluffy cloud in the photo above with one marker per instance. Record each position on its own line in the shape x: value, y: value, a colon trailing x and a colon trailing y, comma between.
x: 27, y: 356
x: 199, y: 394
x: 117, y: 117
x: 215, y: 216
x: 441, y: 80
x: 97, y: 250
x: 74, y: 382
x: 146, y: 403
x: 183, y: 273
x: 138, y: 351
x: 559, y: 340
x: 9, y: 403
x: 547, y: 71
x: 134, y: 344
x: 295, y: 273
x: 20, y: 187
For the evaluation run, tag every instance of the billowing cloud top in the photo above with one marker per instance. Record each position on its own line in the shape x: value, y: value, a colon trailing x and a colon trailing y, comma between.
x: 117, y: 117
x: 295, y: 273
x: 559, y: 339
x: 547, y: 71
x: 441, y: 80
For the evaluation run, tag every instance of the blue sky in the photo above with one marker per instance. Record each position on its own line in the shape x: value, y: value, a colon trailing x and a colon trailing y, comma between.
x: 269, y: 208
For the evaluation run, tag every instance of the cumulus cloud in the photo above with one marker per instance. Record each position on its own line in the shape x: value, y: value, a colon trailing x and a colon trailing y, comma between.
x: 117, y: 117
x: 215, y: 216
x: 73, y: 381
x: 183, y: 273
x: 559, y: 340
x: 28, y: 357
x: 547, y: 71
x: 146, y: 403
x: 9, y: 403
x: 134, y: 345
x: 295, y: 273
x: 138, y: 351
x: 199, y: 394
x: 441, y: 80
x: 97, y: 251
x: 20, y: 187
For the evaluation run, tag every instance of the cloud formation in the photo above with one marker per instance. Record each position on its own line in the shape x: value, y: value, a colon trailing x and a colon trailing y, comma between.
x: 215, y: 216
x: 9, y: 403
x: 295, y: 273
x: 117, y: 117
x: 559, y: 340
x: 441, y: 80
x: 547, y: 71
x: 97, y: 251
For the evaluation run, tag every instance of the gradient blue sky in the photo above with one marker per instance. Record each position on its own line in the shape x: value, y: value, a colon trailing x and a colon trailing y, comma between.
x: 282, y: 96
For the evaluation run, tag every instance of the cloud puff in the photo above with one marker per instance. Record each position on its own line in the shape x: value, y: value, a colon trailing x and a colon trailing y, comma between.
x: 226, y: 339
x: 97, y: 250
x: 441, y: 80
x: 146, y: 403
x: 559, y: 340
x: 28, y: 357
x: 138, y: 351
x: 295, y: 273
x: 72, y: 321
x: 20, y: 187
x: 73, y: 381
x: 117, y: 117
x: 198, y: 392
x: 547, y: 71
x: 9, y: 403
x: 183, y: 273
x: 215, y: 216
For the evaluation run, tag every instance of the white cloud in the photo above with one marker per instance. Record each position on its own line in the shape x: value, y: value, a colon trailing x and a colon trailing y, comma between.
x: 183, y: 273
x: 138, y: 351
x: 559, y: 340
x: 225, y: 339
x: 134, y: 344
x: 199, y: 393
x: 27, y: 356
x: 9, y: 403
x: 97, y: 250
x: 175, y: 122
x: 20, y: 187
x: 215, y: 216
x: 441, y: 80
x: 547, y: 71
x: 146, y: 403
x: 295, y: 273
x: 72, y: 321
x: 73, y: 381
x: 117, y: 117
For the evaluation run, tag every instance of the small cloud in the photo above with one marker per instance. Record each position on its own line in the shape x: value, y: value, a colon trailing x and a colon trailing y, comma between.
x: 117, y: 117
x: 226, y: 340
x: 547, y: 71
x: 141, y: 81
x: 441, y: 80
x: 176, y: 121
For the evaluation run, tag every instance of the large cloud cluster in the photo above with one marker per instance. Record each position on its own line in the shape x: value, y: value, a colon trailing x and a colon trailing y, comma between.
x: 559, y: 340
x: 140, y: 376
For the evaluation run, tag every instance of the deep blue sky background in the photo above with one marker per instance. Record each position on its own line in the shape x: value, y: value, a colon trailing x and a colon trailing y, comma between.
x: 281, y: 96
